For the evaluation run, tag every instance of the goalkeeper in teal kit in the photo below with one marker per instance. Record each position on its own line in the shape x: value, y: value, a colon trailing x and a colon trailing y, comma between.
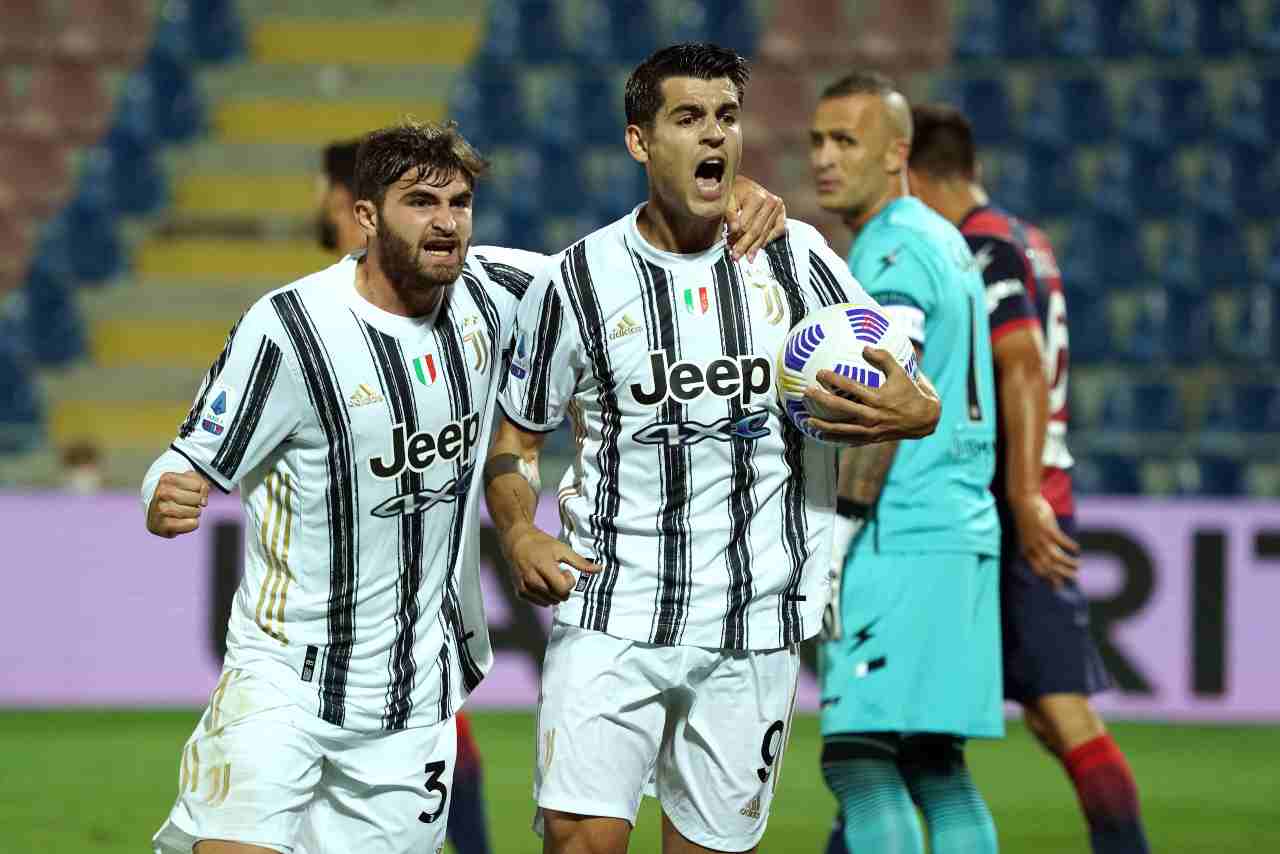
x: 911, y: 661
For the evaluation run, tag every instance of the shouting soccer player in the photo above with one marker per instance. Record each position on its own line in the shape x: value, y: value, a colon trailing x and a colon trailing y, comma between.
x: 705, y: 512
x: 349, y: 408
x: 1051, y: 664
x: 911, y: 665
x: 338, y: 229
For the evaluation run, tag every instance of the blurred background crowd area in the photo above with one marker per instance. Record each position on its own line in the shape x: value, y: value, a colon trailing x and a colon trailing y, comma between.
x: 159, y: 162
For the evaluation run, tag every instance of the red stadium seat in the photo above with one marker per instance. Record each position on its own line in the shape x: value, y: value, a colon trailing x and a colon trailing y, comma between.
x: 27, y: 31
x: 806, y: 34
x: 36, y: 176
x: 66, y: 101
x: 16, y: 241
x: 111, y: 32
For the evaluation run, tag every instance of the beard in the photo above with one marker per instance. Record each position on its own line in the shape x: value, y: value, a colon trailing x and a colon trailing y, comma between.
x: 400, y: 264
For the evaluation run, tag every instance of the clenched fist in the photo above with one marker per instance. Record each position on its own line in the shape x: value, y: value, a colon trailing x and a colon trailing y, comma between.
x: 175, y: 508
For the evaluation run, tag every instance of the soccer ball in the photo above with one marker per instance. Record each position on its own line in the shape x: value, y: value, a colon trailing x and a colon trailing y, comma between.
x: 833, y: 338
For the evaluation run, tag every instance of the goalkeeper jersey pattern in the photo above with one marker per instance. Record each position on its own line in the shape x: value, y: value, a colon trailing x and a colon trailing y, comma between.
x: 356, y: 438
x: 708, y: 510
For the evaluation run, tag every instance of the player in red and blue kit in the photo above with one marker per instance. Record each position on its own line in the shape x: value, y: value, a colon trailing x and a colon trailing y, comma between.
x: 1051, y: 664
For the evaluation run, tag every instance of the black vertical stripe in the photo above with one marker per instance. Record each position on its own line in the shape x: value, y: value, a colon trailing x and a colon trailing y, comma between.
x: 448, y: 335
x: 598, y: 593
x: 401, y: 667
x: 266, y: 365
x: 512, y: 279
x: 489, y: 309
x: 210, y: 377
x: 548, y: 337
x: 824, y: 281
x: 794, y: 515
x: 675, y: 467
x: 735, y: 340
x: 340, y: 497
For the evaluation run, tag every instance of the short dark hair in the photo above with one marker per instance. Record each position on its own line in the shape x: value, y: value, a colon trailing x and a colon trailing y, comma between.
x: 943, y: 144
x: 692, y: 59
x: 860, y: 83
x: 437, y: 152
x: 340, y: 163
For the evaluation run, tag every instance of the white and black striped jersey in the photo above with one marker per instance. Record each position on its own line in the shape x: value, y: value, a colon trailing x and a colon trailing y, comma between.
x: 709, y: 512
x: 356, y: 437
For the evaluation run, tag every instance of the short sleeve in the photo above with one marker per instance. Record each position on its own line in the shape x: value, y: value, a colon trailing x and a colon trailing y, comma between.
x: 544, y: 357
x: 1004, y: 273
x: 900, y: 280
x: 248, y: 403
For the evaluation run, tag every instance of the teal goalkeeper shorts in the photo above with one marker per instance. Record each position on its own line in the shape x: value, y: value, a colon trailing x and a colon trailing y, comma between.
x: 920, y: 648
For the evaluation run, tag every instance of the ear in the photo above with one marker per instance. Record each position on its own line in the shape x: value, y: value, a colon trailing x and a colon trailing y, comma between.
x: 897, y: 155
x: 637, y: 144
x: 367, y: 217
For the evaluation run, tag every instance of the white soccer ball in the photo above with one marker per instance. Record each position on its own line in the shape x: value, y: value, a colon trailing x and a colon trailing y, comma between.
x: 833, y: 338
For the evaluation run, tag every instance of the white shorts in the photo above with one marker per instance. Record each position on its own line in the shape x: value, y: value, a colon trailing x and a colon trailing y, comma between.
x: 259, y: 769
x: 708, y: 727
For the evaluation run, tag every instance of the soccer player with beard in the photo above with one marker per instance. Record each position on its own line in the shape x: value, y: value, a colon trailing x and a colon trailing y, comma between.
x: 349, y: 408
x: 1051, y: 664
x: 706, y: 511
x: 339, y: 230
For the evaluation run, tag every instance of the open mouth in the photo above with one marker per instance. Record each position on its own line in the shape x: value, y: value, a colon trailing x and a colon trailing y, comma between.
x: 709, y: 177
x: 439, y: 248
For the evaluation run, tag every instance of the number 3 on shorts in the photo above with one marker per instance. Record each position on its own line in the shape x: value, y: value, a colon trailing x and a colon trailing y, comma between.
x: 769, y: 750
x: 433, y: 784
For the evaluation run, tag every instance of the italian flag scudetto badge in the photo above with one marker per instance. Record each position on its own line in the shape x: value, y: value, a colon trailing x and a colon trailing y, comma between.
x: 697, y: 300
x: 425, y: 368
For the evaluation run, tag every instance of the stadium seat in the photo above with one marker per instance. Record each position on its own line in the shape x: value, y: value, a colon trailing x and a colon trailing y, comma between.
x: 1055, y: 184
x: 1142, y: 407
x: 1147, y: 340
x: 67, y: 101
x: 1180, y: 261
x: 1085, y: 277
x: 1257, y: 185
x: 980, y: 31
x: 1023, y: 32
x: 1271, y: 271
x: 733, y: 23
x: 1188, y: 333
x: 987, y: 104
x: 1010, y: 180
x: 1243, y: 326
x: 1256, y: 407
x: 600, y: 99
x: 1187, y: 111
x: 1079, y: 33
x: 1223, y: 25
x: 589, y: 35
x: 1157, y: 184
x: 1261, y: 479
x: 1216, y: 475
x: 1176, y: 34
x: 1120, y: 26
x: 1229, y: 264
x: 1106, y: 474
x: 487, y: 102
x: 177, y: 108
x: 28, y: 31
x: 1090, y: 338
x: 125, y: 176
x: 218, y: 32
x: 111, y: 32
x: 1265, y: 40
x: 682, y: 21
x: 555, y: 112
x: 35, y: 172
x: 55, y: 327
x: 21, y: 412
x: 1068, y: 111
x: 1046, y: 127
x: 1246, y: 122
x: 613, y: 183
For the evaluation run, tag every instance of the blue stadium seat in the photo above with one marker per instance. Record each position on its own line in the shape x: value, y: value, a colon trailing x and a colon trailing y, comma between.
x: 1177, y: 32
x: 1106, y: 474
x: 1147, y: 341
x: 1229, y: 263
x: 1246, y: 122
x: 1080, y: 32
x: 1188, y: 331
x: 1011, y: 181
x: 122, y: 175
x: 1257, y: 408
x: 600, y: 98
x: 590, y: 37
x: 1113, y: 196
x: 635, y: 29
x: 1068, y: 111
x: 1179, y: 268
x: 176, y: 105
x: 980, y: 32
x: 1023, y: 32
x: 88, y: 237
x: 1143, y: 408
x: 56, y: 330
x: 733, y: 23
x: 987, y: 104
x: 1046, y: 127
x: 1243, y: 327
x: 1157, y: 184
x: 612, y: 183
x: 1085, y: 277
x: 1187, y: 110
x: 1120, y: 27
x: 1266, y: 39
x: 486, y: 102
x: 1271, y: 272
x: 1223, y: 25
x: 1257, y: 186
x: 556, y: 117
x: 1217, y: 475
x: 522, y: 31
x: 1215, y: 193
x: 218, y: 32
x: 1055, y: 185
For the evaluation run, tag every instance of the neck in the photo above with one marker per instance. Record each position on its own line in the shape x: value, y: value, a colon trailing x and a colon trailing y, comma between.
x: 857, y: 220
x: 959, y: 198
x: 381, y: 292
x: 670, y: 232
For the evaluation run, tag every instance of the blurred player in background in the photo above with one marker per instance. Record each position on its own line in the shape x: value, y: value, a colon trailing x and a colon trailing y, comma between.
x: 339, y: 230
x: 1051, y: 664
x: 911, y: 666
x: 704, y: 507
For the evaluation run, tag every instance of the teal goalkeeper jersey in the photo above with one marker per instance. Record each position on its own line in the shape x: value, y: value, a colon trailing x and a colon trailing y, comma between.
x: 936, y: 498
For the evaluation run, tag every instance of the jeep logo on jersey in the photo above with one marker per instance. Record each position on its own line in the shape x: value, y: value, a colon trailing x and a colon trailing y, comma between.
x: 686, y: 381
x: 753, y: 425
x: 457, y: 439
